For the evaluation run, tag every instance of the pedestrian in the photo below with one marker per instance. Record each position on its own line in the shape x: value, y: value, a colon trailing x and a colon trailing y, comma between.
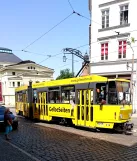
x: 8, y: 123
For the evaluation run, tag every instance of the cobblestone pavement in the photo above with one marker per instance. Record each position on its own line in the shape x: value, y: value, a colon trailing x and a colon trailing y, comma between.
x: 10, y: 153
x: 58, y: 143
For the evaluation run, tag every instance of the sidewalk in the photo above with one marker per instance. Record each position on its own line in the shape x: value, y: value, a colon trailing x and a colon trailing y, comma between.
x: 134, y: 115
x: 9, y: 106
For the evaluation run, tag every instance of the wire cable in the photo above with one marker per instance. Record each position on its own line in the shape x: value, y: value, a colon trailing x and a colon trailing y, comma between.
x: 100, y: 56
x: 70, y: 5
x: 61, y: 53
x: 91, y: 58
x: 33, y: 53
x: 47, y: 31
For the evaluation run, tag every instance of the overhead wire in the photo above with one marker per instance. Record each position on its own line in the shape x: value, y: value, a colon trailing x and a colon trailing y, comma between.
x: 76, y: 48
x: 91, y: 20
x: 50, y: 56
x: 48, y: 31
x: 100, y: 55
x: 91, y: 58
x: 74, y: 12
x: 61, y: 53
x: 71, y: 5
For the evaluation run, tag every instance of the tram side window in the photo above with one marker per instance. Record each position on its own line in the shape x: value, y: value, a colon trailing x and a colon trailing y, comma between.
x: 20, y: 97
x: 68, y: 94
x: 101, y: 92
x: 35, y: 96
x: 26, y: 96
x: 54, y: 95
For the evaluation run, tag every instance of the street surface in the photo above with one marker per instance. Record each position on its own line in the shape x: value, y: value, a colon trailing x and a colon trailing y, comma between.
x: 42, y: 141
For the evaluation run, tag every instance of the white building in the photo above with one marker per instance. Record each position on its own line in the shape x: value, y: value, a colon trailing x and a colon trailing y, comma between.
x: 14, y: 72
x: 113, y: 24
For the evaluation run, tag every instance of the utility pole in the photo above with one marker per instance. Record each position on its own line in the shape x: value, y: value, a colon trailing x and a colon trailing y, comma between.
x: 132, y: 73
x: 73, y: 65
x: 132, y: 70
x: 135, y: 104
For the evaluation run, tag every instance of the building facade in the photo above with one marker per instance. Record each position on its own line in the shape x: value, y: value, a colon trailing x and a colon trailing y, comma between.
x: 14, y: 72
x: 113, y: 38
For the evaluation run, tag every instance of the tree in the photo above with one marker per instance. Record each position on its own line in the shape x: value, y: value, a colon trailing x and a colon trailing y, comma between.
x: 65, y: 74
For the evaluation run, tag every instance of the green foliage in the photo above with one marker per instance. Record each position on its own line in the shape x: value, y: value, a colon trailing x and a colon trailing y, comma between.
x: 64, y: 74
x: 132, y: 40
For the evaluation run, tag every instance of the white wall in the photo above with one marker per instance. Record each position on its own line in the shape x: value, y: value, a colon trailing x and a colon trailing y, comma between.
x: 22, y: 75
x: 99, y: 66
x: 114, y: 21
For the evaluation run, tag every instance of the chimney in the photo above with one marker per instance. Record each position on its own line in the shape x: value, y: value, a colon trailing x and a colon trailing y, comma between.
x: 86, y: 70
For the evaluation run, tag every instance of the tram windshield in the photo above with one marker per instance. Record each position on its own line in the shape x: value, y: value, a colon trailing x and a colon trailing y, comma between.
x: 123, y: 89
x: 119, y: 92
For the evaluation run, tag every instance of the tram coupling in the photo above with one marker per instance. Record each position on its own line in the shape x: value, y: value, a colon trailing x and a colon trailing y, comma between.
x: 128, y: 128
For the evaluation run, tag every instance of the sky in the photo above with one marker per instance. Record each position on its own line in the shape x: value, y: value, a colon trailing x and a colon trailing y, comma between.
x: 22, y: 22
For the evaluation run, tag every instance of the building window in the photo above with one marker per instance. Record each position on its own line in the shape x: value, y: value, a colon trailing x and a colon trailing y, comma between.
x: 13, y: 83
x: 123, y: 14
x: 13, y: 73
x: 122, y: 49
x: 18, y: 84
x: 105, y: 19
x: 104, y: 51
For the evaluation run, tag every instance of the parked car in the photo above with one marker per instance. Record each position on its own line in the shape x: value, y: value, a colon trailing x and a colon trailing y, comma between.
x: 14, y: 118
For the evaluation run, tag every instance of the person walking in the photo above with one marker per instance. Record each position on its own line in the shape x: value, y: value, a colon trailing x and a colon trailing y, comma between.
x: 8, y: 123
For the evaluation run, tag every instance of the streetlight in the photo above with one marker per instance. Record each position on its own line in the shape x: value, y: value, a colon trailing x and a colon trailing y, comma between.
x: 73, y: 52
x: 65, y: 58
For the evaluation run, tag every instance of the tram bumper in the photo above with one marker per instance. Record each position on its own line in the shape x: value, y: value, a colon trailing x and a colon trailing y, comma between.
x: 128, y: 127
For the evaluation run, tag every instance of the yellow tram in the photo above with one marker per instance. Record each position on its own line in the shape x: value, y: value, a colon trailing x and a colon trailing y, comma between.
x: 90, y: 101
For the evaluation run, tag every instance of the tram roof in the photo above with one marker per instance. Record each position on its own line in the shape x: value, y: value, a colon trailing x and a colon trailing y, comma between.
x: 119, y: 79
x: 21, y: 88
x: 71, y: 81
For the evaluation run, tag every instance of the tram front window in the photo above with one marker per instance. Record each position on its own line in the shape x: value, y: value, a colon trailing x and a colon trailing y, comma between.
x: 112, y: 93
x: 124, y: 96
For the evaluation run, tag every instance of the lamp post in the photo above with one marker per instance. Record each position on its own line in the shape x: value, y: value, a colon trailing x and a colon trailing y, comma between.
x: 64, y: 60
x: 76, y: 53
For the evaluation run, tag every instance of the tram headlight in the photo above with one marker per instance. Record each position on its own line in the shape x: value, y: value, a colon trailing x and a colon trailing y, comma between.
x: 129, y: 115
x: 121, y: 116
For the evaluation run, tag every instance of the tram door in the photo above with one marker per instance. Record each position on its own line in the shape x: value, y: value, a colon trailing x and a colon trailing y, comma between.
x: 43, y: 105
x: 85, y: 107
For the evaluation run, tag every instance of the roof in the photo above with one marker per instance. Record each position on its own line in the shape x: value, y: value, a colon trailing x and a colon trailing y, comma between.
x: 23, y: 62
x: 21, y: 88
x: 6, y: 55
x: 26, y: 62
x: 70, y: 81
x: 1, y: 48
x: 119, y: 79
